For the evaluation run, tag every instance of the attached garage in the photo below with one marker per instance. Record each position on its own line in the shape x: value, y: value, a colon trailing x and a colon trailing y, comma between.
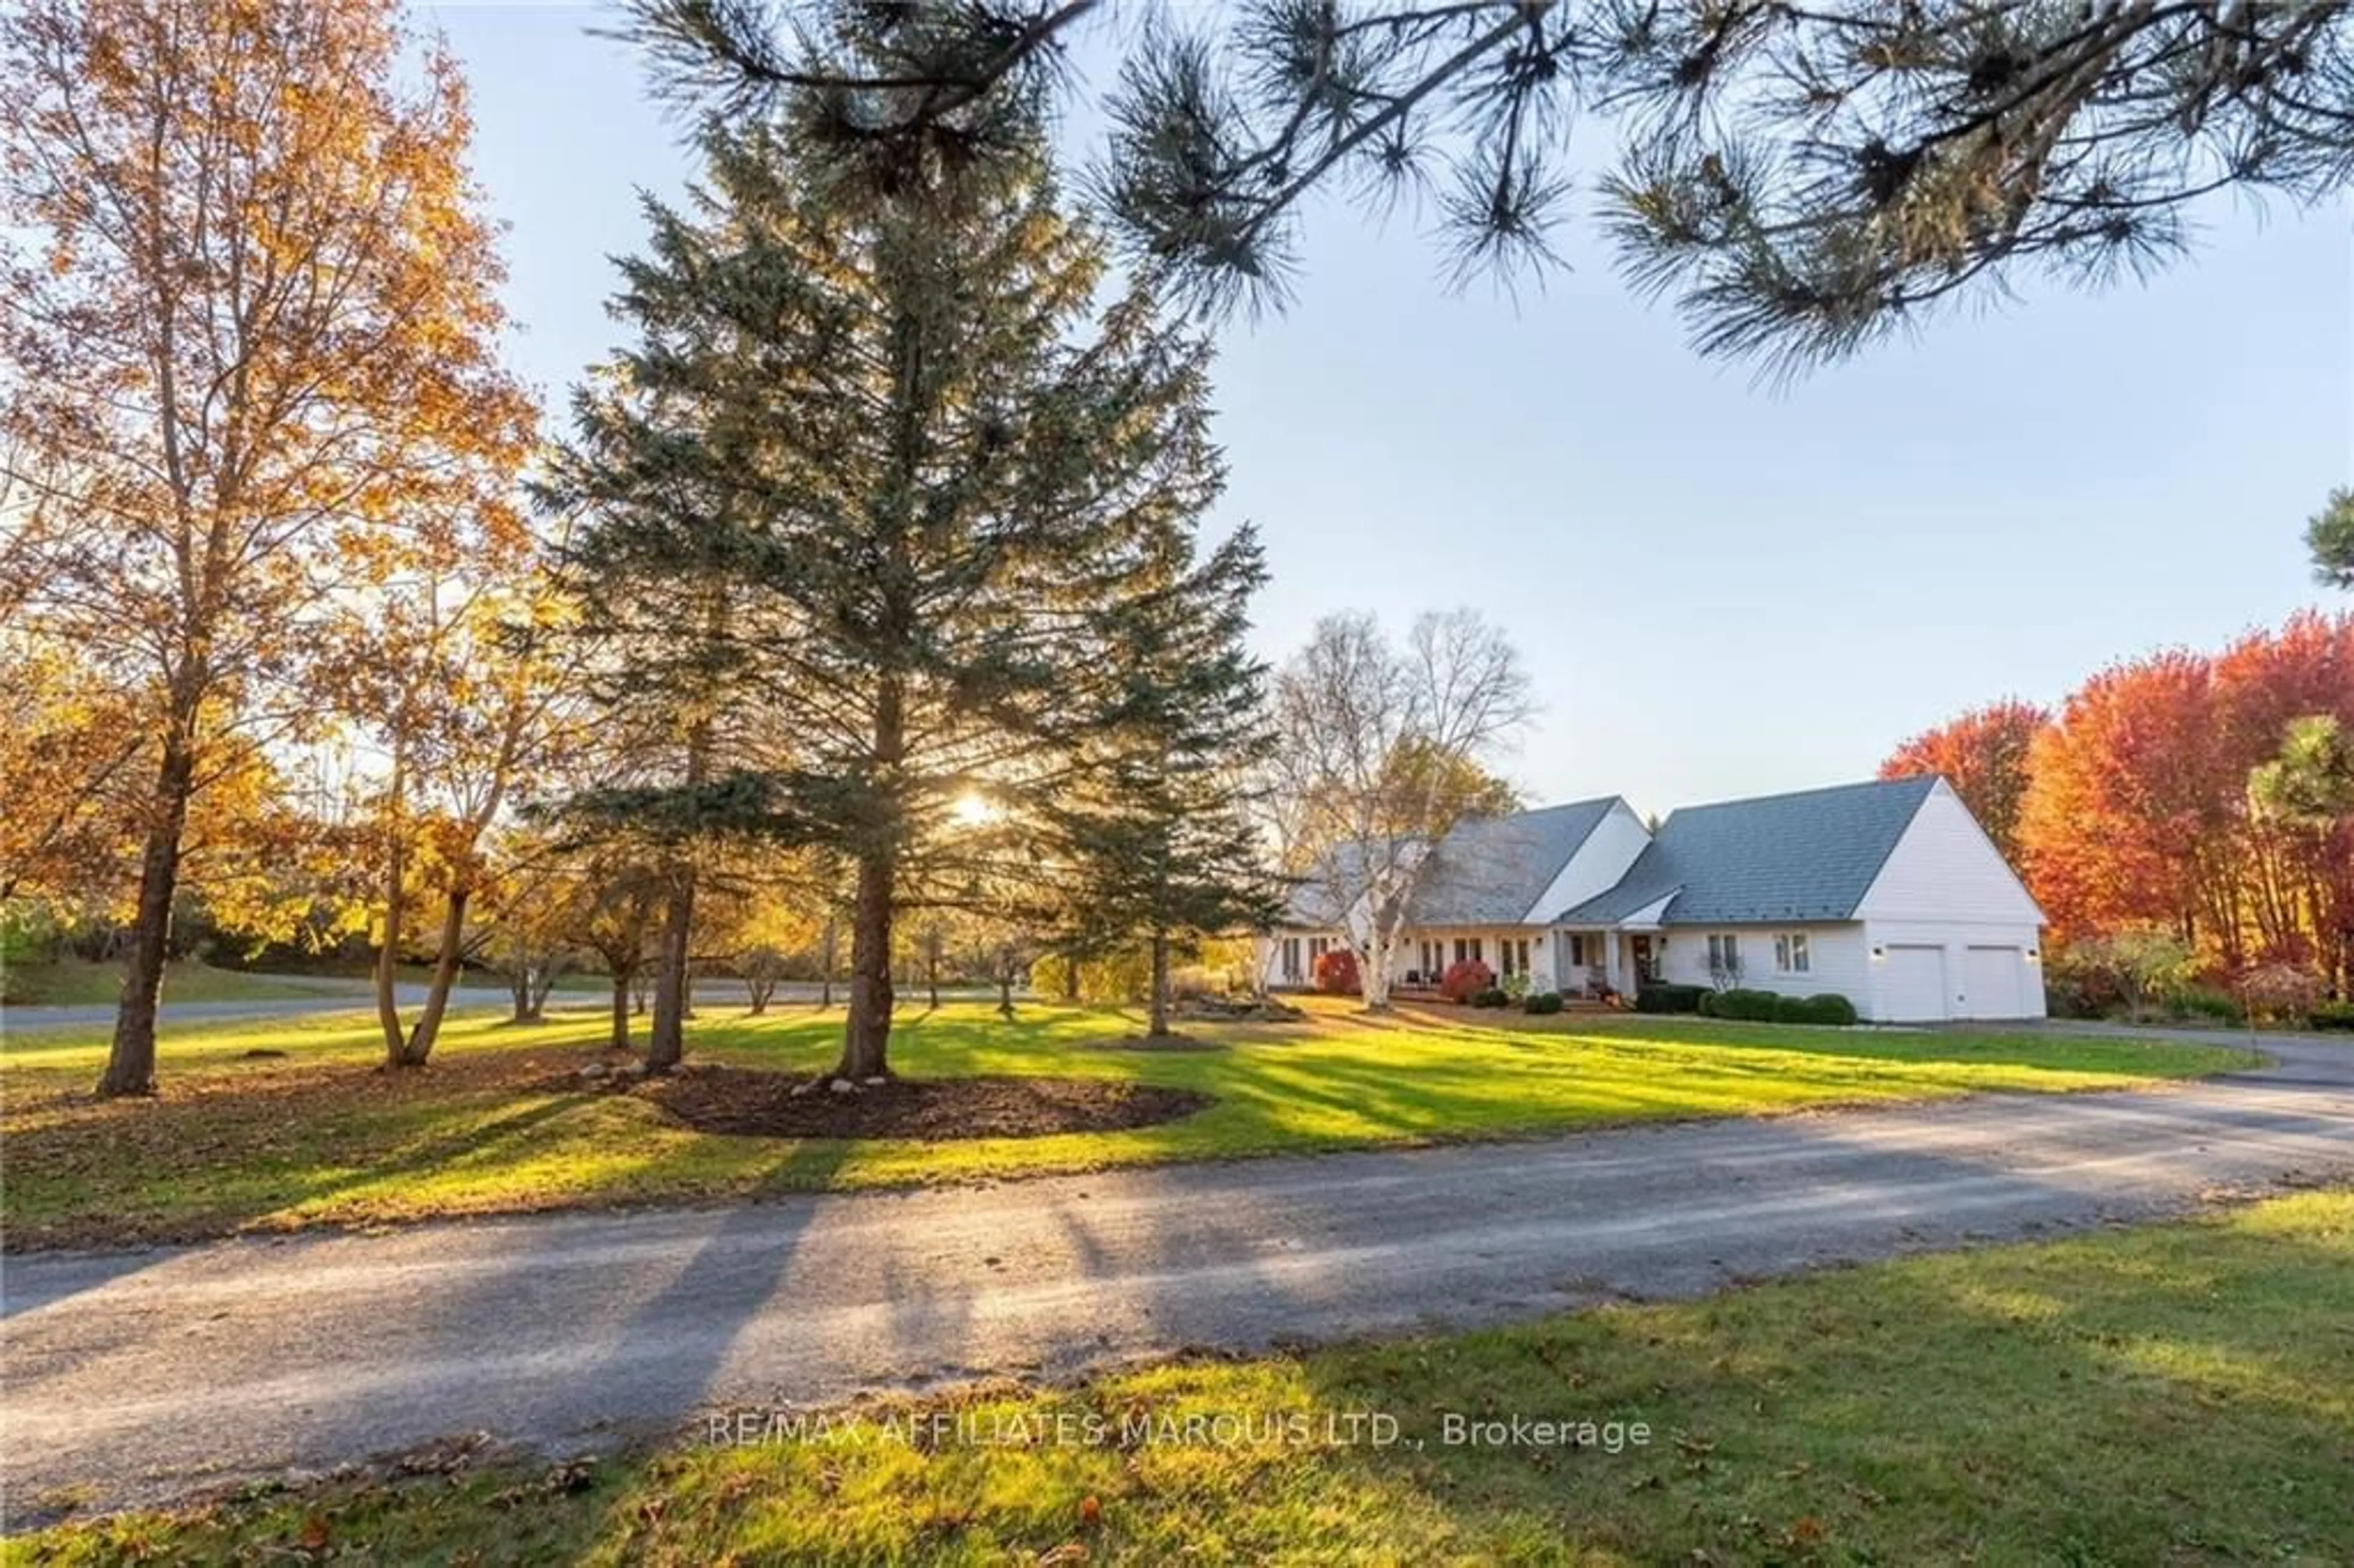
x: 1994, y: 984
x: 1912, y: 984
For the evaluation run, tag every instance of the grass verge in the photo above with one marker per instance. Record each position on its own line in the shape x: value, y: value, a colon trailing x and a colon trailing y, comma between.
x: 311, y: 1133
x: 2177, y: 1393
x: 78, y: 982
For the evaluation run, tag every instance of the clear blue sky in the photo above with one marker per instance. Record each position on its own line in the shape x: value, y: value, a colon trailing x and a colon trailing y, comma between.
x: 1721, y: 591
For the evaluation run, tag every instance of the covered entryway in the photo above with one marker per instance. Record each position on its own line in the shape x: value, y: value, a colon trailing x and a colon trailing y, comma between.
x: 1994, y: 983
x: 1912, y: 984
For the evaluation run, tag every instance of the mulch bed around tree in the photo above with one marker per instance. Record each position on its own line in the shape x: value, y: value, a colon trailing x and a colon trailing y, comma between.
x: 1178, y: 1042
x: 749, y: 1102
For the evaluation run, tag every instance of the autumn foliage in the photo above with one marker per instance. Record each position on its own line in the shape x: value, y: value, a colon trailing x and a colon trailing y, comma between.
x: 2134, y: 807
x: 249, y: 384
x: 1336, y: 972
x: 1464, y: 979
x: 1983, y: 755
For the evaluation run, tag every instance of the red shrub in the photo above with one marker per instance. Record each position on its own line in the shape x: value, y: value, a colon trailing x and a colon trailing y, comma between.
x: 1336, y: 972
x: 1464, y: 978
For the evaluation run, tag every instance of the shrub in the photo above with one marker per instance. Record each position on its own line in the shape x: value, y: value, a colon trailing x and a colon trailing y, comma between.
x: 2281, y: 990
x: 1494, y: 996
x: 1748, y: 1006
x: 1464, y: 979
x: 1661, y: 997
x: 1831, y: 1007
x: 1542, y: 1002
x: 1515, y: 986
x: 2333, y: 1015
x: 1336, y: 972
x: 2202, y: 1001
x: 2132, y: 967
x: 1824, y: 1008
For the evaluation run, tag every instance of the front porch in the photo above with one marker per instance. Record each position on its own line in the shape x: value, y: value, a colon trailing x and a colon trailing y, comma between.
x: 1595, y: 961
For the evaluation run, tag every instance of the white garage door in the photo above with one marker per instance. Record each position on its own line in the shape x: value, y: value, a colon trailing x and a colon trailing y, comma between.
x: 1991, y: 986
x: 1912, y: 984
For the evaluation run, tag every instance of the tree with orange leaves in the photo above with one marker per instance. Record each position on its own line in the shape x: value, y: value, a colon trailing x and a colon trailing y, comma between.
x: 1983, y: 754
x: 2140, y: 812
x: 249, y: 326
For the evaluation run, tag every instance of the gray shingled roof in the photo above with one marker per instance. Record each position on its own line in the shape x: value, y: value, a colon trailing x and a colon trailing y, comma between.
x: 1488, y: 871
x: 1493, y: 870
x: 1809, y: 856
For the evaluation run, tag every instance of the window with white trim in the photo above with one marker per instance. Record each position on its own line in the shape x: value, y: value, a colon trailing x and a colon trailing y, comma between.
x: 1723, y: 953
x: 1791, y: 953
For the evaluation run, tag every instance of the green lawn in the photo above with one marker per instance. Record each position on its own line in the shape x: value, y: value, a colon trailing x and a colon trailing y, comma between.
x: 2178, y: 1393
x: 78, y: 982
x: 317, y: 1135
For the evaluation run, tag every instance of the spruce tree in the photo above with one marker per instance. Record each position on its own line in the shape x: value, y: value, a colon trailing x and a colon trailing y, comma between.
x: 1164, y: 849
x: 880, y: 405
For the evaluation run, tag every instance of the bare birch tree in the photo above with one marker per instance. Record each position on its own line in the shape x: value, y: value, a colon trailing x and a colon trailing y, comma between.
x: 1376, y: 743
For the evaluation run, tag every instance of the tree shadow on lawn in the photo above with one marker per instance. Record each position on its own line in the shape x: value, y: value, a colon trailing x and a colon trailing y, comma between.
x: 2136, y: 1397
x: 2173, y: 1394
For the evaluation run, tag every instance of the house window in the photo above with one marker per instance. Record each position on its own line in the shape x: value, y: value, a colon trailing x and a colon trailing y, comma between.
x: 1316, y: 947
x: 1578, y: 959
x: 1515, y: 955
x: 1791, y: 953
x: 1291, y: 958
x: 1723, y: 954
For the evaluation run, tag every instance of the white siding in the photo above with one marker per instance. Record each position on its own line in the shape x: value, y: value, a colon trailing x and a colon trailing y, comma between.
x: 1946, y: 868
x: 1957, y: 938
x: 1599, y: 863
x: 1837, y: 960
x: 1947, y: 886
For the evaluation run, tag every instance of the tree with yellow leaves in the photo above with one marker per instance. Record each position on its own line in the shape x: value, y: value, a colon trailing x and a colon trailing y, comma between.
x: 249, y: 325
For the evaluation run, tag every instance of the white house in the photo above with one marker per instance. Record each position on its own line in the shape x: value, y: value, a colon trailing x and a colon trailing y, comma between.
x: 1888, y: 892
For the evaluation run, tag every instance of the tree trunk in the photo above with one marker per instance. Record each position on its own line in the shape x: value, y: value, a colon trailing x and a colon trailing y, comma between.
x: 130, y: 1060
x: 1071, y: 978
x: 932, y: 979
x: 1157, y: 1025
x: 1374, y: 974
x: 1005, y: 993
x: 621, y: 1037
x: 419, y: 1045
x: 667, y: 1045
x: 395, y: 919
x: 543, y: 981
x: 519, y: 987
x: 866, y: 1035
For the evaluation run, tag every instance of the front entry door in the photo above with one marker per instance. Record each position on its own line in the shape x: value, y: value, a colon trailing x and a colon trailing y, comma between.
x: 1647, y: 962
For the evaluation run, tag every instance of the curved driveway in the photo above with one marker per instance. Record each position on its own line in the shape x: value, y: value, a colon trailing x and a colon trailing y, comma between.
x: 135, y: 1376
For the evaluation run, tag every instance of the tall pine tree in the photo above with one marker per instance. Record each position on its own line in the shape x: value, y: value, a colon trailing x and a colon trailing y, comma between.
x: 1164, y: 849
x: 942, y: 491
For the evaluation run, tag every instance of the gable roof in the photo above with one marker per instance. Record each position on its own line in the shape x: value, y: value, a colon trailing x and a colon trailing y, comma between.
x: 1492, y: 870
x: 1809, y: 856
x: 1489, y: 871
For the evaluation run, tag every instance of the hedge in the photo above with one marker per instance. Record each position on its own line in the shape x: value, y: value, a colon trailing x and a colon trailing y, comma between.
x: 1540, y: 1002
x: 2334, y: 1015
x: 1771, y: 1006
x: 1664, y: 998
x: 1825, y: 1007
x: 1494, y: 996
